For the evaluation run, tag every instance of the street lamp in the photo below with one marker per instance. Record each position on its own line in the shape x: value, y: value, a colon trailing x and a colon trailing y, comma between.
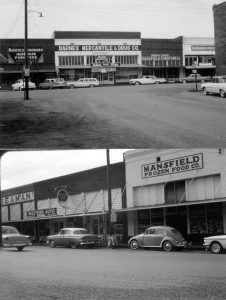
x: 26, y: 65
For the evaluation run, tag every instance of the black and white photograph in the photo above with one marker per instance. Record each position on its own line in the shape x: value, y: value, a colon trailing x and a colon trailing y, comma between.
x: 112, y: 149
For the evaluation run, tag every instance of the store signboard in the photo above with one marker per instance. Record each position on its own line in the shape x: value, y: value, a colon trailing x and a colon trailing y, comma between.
x: 161, y: 56
x: 19, y: 198
x: 202, y: 47
x: 17, y: 55
x: 103, y: 70
x: 95, y: 48
x: 42, y: 212
x: 172, y: 166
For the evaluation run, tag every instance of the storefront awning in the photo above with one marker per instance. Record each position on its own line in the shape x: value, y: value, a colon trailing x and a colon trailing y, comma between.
x: 187, y: 203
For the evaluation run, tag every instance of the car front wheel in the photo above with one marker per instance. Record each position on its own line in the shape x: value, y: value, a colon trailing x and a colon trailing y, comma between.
x: 52, y: 244
x: 184, y: 81
x: 222, y: 93
x: 215, y: 248
x: 167, y: 246
x: 134, y: 245
x: 73, y: 245
x: 71, y: 86
x: 91, y: 85
x: 205, y: 92
x: 20, y: 248
x: 137, y: 83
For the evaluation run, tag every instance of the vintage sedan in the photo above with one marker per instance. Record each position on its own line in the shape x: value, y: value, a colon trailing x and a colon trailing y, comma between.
x: 217, y: 85
x: 215, y: 244
x: 163, y: 237
x: 73, y: 237
x: 147, y: 79
x: 83, y: 82
x: 53, y: 83
x: 12, y: 238
x: 19, y: 85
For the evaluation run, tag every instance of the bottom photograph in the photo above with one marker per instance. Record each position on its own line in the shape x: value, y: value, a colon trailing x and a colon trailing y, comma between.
x: 113, y: 224
x: 138, y: 197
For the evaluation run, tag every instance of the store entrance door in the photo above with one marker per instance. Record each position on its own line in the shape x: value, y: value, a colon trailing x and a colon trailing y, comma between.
x: 107, y: 78
x: 177, y: 221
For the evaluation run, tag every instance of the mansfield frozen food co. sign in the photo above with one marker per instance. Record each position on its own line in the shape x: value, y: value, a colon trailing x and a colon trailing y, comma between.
x: 171, y: 166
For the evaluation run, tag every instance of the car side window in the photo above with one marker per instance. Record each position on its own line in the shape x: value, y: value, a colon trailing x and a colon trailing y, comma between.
x: 160, y: 231
x: 62, y: 232
x: 151, y: 231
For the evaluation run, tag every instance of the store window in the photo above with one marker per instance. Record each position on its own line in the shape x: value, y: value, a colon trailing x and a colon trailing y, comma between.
x: 157, y: 217
x: 175, y: 192
x: 197, y: 219
x: 71, y: 60
x: 126, y: 59
x: 215, y: 219
x: 143, y: 220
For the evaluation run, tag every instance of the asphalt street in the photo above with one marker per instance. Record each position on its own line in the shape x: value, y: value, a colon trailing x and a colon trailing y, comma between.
x: 64, y: 273
x: 156, y: 116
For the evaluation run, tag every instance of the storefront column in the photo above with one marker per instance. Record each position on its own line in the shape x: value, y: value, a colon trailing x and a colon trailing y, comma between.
x: 224, y: 217
x: 132, y: 223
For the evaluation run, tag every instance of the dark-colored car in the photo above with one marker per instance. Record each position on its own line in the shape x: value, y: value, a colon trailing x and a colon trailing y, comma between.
x: 73, y: 237
x: 53, y: 83
x: 12, y: 238
x: 163, y: 237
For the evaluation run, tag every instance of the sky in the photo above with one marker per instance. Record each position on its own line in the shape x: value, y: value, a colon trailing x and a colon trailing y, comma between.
x: 24, y: 167
x: 153, y: 18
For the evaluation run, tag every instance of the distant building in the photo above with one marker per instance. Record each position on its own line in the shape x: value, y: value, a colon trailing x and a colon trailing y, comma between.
x: 219, y: 13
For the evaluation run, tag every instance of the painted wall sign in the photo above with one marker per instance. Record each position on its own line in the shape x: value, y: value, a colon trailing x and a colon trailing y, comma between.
x: 62, y: 196
x: 171, y: 166
x: 19, y: 198
x: 98, y: 48
x: 42, y: 212
x: 161, y: 56
x: 202, y: 47
x: 17, y: 55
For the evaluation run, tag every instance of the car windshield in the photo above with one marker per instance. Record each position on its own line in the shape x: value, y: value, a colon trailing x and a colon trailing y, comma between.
x: 9, y: 230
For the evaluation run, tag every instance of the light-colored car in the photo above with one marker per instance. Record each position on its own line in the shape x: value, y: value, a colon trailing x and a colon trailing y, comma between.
x: 147, y: 79
x: 163, y: 237
x: 215, y: 244
x: 83, y: 82
x: 194, y: 78
x: 53, y: 83
x: 19, y: 85
x: 12, y: 238
x: 73, y: 237
x: 217, y: 85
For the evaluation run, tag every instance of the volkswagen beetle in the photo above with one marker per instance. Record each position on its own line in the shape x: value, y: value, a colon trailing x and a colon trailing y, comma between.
x: 163, y: 237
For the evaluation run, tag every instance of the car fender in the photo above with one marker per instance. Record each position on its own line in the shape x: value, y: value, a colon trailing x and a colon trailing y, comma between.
x: 168, y: 239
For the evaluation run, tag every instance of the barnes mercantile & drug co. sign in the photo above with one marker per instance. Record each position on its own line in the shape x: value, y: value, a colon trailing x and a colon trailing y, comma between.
x: 171, y: 166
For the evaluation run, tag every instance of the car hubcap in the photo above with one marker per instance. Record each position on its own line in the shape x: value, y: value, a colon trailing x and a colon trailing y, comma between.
x: 167, y: 246
x: 216, y: 248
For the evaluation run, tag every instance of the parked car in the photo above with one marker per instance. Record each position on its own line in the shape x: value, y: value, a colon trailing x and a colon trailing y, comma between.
x: 53, y: 83
x: 83, y: 82
x: 191, y: 78
x: 147, y: 79
x: 73, y: 237
x: 215, y: 244
x: 12, y: 238
x: 163, y: 237
x: 217, y: 85
x: 19, y: 85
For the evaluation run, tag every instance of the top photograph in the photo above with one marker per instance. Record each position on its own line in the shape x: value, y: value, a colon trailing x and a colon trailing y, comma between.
x: 94, y: 74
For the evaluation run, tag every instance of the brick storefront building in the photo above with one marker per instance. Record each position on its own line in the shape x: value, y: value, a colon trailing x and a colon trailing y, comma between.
x: 219, y: 13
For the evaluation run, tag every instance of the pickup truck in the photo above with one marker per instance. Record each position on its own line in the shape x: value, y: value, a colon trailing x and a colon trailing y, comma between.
x: 191, y: 78
x: 53, y: 83
x: 217, y: 85
x: 19, y: 85
x: 147, y: 79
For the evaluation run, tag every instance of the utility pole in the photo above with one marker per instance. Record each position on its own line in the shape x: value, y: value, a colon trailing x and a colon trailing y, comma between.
x: 26, y: 67
x: 2, y: 152
x: 109, y: 190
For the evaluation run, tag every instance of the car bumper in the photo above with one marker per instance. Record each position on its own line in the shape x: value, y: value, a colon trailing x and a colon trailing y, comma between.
x: 17, y: 245
x: 89, y: 243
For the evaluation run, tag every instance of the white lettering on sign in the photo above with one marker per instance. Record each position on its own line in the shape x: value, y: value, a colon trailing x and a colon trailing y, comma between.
x: 176, y: 165
x: 42, y: 212
x: 19, y: 198
x: 95, y: 48
x: 202, y: 47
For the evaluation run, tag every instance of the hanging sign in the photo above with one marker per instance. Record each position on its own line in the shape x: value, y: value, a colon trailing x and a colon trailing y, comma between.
x: 42, y: 212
